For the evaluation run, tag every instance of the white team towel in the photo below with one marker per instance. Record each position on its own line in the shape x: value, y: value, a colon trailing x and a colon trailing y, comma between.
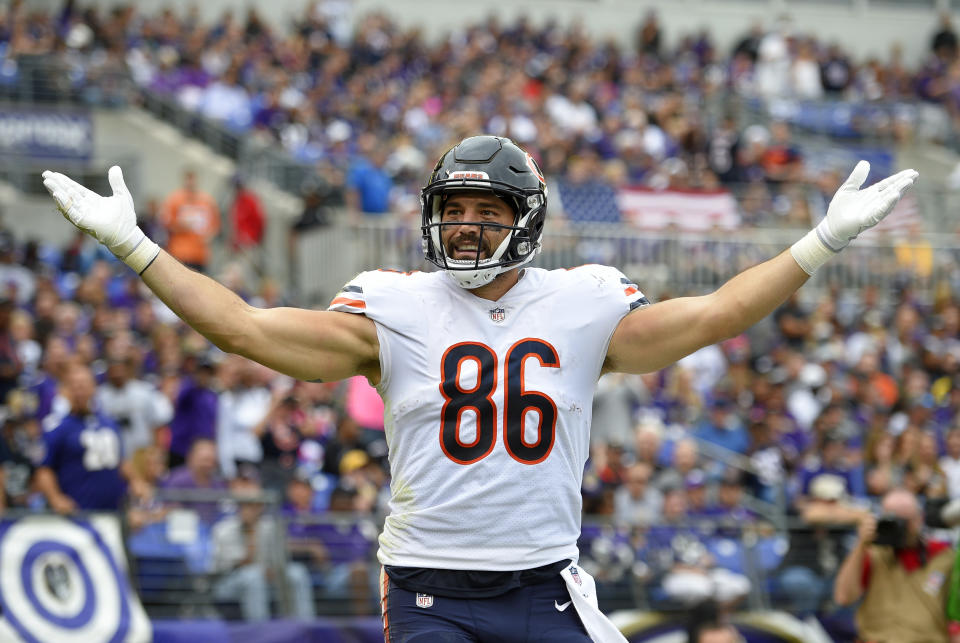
x: 583, y: 593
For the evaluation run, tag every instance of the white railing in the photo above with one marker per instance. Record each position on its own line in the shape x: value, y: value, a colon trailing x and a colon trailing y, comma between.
x: 659, y: 262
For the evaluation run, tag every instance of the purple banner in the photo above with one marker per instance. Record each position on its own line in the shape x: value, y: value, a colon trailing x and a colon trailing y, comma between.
x: 46, y: 134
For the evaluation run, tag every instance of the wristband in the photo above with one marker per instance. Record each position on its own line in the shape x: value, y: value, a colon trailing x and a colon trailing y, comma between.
x: 828, y: 239
x: 142, y: 256
x: 810, y: 252
x: 137, y: 251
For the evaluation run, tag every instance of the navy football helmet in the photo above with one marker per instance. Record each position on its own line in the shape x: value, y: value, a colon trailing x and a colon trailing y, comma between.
x: 500, y: 166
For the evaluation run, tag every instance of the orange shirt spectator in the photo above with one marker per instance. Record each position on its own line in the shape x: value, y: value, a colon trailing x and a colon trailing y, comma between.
x: 192, y: 220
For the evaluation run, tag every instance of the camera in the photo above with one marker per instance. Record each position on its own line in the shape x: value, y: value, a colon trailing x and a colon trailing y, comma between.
x: 891, y: 532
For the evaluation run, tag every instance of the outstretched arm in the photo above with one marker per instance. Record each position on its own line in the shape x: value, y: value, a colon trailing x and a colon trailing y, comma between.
x: 656, y: 336
x: 305, y: 344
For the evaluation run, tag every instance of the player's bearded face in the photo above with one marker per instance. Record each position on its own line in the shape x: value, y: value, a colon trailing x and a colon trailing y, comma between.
x: 465, y: 242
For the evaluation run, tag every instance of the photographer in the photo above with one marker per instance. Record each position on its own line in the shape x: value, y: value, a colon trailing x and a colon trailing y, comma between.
x: 903, y: 578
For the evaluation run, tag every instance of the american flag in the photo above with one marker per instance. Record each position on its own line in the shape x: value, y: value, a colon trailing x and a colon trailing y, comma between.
x: 904, y: 219
x: 691, y: 210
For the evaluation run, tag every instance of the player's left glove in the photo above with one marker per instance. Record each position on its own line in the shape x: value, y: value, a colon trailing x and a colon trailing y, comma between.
x: 111, y: 220
x: 851, y: 211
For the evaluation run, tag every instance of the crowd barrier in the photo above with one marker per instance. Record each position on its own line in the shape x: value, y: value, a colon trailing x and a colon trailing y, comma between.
x: 107, y: 577
x: 176, y: 558
x: 659, y: 261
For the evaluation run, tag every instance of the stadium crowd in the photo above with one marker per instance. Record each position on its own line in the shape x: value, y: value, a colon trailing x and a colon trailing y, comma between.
x: 833, y: 401
x: 816, y: 413
x: 370, y: 107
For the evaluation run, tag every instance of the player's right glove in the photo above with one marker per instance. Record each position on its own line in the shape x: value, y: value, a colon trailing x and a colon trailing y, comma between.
x: 111, y: 220
x: 851, y: 211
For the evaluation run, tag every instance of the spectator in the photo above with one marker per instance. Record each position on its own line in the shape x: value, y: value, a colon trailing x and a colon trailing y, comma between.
x: 836, y: 71
x: 248, y: 223
x: 192, y: 220
x: 723, y: 427
x: 729, y: 509
x: 148, y: 463
x: 904, y: 581
x: 243, y: 405
x: 684, y: 460
x: 613, y: 404
x: 689, y: 576
x: 805, y: 73
x: 648, y: 35
x: 830, y: 465
x: 84, y: 457
x: 924, y: 476
x: 245, y: 557
x: 227, y: 101
x: 194, y: 412
x: 134, y: 404
x: 17, y: 282
x: 793, y: 321
x: 199, y: 472
x: 338, y: 546
x: 695, y: 485
x: 944, y: 41
x: 347, y: 439
x: 369, y: 185
x: 281, y: 434
x: 882, y: 473
x: 773, y: 62
x: 637, y: 502
x: 10, y: 364
x: 817, y: 546
x: 19, y: 443
x: 200, y: 469
x: 782, y: 160
x: 950, y: 463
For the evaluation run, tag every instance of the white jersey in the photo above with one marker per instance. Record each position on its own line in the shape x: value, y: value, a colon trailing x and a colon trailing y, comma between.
x: 487, y: 410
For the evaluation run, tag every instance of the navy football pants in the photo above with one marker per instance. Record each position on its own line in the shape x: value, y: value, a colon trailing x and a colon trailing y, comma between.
x: 528, y: 613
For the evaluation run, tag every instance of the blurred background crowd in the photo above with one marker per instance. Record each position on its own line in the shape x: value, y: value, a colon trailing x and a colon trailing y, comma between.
x: 373, y: 107
x: 747, y: 462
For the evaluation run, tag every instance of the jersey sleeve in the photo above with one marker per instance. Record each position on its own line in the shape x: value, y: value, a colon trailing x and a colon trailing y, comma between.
x: 351, y: 298
x: 384, y: 296
x: 635, y: 297
x: 617, y: 286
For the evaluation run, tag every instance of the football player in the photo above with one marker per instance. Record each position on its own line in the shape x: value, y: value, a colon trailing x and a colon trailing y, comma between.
x: 487, y: 367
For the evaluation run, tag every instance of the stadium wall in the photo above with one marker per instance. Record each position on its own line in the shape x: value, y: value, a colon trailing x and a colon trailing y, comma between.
x: 862, y: 27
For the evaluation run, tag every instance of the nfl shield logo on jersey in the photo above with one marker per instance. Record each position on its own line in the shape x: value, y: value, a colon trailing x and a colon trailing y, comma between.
x: 424, y: 600
x: 498, y: 314
x: 575, y: 575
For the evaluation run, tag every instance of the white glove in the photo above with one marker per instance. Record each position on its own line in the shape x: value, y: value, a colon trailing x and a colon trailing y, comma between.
x: 851, y: 211
x: 110, y: 220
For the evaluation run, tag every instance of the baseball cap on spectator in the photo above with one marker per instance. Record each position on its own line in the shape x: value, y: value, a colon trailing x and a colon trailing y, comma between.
x: 353, y: 460
x: 828, y: 487
x: 695, y: 479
